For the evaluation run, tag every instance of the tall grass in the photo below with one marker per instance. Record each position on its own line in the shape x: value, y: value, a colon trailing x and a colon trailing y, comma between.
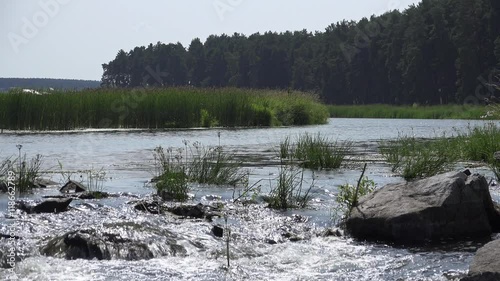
x: 158, y: 108
x: 177, y: 168
x: 417, y: 158
x: 172, y: 181
x: 315, y: 151
x: 289, y: 191
x: 213, y: 166
x: 480, y: 143
x: 410, y: 112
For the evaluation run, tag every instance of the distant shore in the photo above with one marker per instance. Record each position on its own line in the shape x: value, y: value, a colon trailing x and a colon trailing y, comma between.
x: 451, y: 111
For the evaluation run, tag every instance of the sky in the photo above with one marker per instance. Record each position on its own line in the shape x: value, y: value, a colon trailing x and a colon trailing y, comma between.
x: 71, y: 39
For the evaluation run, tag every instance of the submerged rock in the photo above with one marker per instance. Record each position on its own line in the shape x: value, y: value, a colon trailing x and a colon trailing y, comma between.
x: 446, y: 206
x: 217, y: 231
x: 43, y: 183
x: 3, y: 186
x: 73, y: 186
x: 94, y: 244
x: 47, y: 206
x: 153, y: 207
x: 486, y: 264
x: 193, y: 211
x: 336, y: 232
x: 93, y: 195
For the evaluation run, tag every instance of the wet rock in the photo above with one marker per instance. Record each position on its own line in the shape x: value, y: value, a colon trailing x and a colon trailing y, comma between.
x: 193, y: 211
x: 166, y: 195
x: 84, y: 195
x: 446, y: 206
x: 7, y: 236
x: 43, y: 183
x: 73, y: 187
x: 292, y: 237
x: 93, y: 195
x: 102, y: 245
x: 486, y: 265
x: 47, y: 206
x: 217, y: 231
x: 3, y: 186
x: 271, y: 242
x: 336, y: 232
x: 152, y: 207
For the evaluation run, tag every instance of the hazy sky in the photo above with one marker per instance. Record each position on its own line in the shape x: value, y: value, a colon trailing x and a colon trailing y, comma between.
x: 72, y: 38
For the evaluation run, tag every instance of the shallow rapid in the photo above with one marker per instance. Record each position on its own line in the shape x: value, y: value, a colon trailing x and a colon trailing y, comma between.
x: 261, y: 244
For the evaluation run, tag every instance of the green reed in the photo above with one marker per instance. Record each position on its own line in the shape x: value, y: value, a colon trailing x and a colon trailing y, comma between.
x: 158, y: 108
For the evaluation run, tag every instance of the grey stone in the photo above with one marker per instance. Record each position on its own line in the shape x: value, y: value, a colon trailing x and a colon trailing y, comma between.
x: 486, y: 265
x: 73, y: 186
x: 47, y: 206
x: 446, y: 206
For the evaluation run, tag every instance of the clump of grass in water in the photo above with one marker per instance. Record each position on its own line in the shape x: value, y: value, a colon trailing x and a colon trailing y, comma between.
x: 349, y: 195
x: 479, y: 143
x: 214, y: 166
x: 172, y: 178
x: 416, y: 158
x: 315, y: 151
x: 27, y: 173
x: 207, y: 166
x: 289, y: 192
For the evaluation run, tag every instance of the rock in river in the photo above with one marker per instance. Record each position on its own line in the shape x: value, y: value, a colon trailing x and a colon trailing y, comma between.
x: 103, y: 245
x: 47, y: 206
x: 486, y: 264
x: 446, y: 206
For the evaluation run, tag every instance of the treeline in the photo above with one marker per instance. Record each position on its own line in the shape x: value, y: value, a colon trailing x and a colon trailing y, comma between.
x: 437, y: 52
x: 46, y: 83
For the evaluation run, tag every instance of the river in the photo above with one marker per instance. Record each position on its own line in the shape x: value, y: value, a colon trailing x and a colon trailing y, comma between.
x: 127, y: 158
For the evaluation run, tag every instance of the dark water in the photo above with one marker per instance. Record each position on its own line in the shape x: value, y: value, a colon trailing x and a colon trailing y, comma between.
x: 127, y: 158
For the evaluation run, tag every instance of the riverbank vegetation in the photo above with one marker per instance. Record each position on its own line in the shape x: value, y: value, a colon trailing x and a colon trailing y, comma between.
x: 417, y: 158
x: 411, y: 112
x: 158, y: 108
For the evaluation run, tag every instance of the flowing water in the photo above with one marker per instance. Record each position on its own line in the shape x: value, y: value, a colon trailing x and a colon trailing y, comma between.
x: 127, y: 158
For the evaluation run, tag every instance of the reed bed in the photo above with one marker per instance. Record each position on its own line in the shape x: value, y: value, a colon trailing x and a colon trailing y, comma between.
x: 411, y: 112
x: 158, y: 108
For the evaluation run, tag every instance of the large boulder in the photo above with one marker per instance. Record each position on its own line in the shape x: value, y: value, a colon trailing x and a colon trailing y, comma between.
x: 486, y: 264
x: 446, y: 206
